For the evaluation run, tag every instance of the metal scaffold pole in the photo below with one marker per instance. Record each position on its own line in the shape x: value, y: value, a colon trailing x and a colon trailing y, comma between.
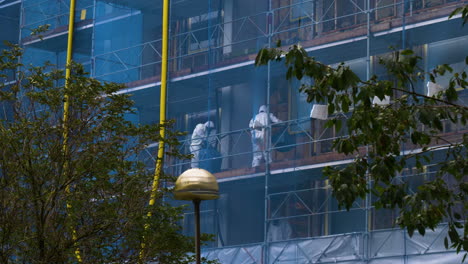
x: 368, y: 196
x: 268, y: 143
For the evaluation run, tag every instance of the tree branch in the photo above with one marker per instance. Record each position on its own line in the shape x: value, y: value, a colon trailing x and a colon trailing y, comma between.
x: 432, y: 98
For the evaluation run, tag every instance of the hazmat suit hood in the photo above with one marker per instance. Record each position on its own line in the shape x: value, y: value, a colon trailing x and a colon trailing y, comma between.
x: 263, y: 109
x: 209, y: 124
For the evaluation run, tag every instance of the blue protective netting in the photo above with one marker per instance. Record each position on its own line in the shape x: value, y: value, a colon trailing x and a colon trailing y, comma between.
x: 282, y: 212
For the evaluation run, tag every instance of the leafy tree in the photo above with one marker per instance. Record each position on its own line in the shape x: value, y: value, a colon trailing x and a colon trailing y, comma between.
x: 97, y: 203
x: 378, y: 134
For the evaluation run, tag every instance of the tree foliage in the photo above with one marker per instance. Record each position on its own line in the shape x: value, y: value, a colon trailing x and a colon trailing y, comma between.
x: 101, y: 195
x: 463, y: 11
x: 377, y: 136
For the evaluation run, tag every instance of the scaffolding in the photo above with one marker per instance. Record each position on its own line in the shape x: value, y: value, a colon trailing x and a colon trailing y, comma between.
x: 281, y: 211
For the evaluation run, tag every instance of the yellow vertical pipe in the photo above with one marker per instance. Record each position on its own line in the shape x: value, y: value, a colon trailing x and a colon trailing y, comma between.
x: 162, y: 115
x: 162, y: 107
x: 66, y: 99
x: 66, y: 107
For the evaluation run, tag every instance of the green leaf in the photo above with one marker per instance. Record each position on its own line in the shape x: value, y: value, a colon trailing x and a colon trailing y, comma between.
x: 330, y: 123
x: 446, y: 242
x: 451, y: 93
x: 437, y: 124
x: 464, y: 12
x: 422, y: 230
x: 453, y: 234
x: 338, y: 125
x: 455, y: 12
x: 407, y: 52
x: 331, y: 109
x: 262, y: 56
x: 345, y: 105
x: 415, y: 136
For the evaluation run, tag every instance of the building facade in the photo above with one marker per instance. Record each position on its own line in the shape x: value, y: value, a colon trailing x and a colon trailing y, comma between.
x: 281, y: 211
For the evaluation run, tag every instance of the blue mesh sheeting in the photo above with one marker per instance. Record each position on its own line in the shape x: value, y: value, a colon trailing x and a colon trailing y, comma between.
x: 280, y: 210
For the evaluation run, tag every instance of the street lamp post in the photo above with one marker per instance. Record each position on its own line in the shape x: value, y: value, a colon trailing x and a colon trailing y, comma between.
x: 196, y: 185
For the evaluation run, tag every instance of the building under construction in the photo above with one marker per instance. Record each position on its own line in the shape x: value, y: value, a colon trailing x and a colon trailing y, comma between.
x: 270, y: 211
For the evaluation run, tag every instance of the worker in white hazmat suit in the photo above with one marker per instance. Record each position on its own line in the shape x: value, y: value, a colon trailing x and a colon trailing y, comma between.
x: 203, y: 136
x: 258, y: 126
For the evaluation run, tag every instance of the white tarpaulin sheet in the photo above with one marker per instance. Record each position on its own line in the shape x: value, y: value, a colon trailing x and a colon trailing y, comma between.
x: 384, y: 247
x: 317, y: 250
x: 398, y: 243
x: 236, y: 255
